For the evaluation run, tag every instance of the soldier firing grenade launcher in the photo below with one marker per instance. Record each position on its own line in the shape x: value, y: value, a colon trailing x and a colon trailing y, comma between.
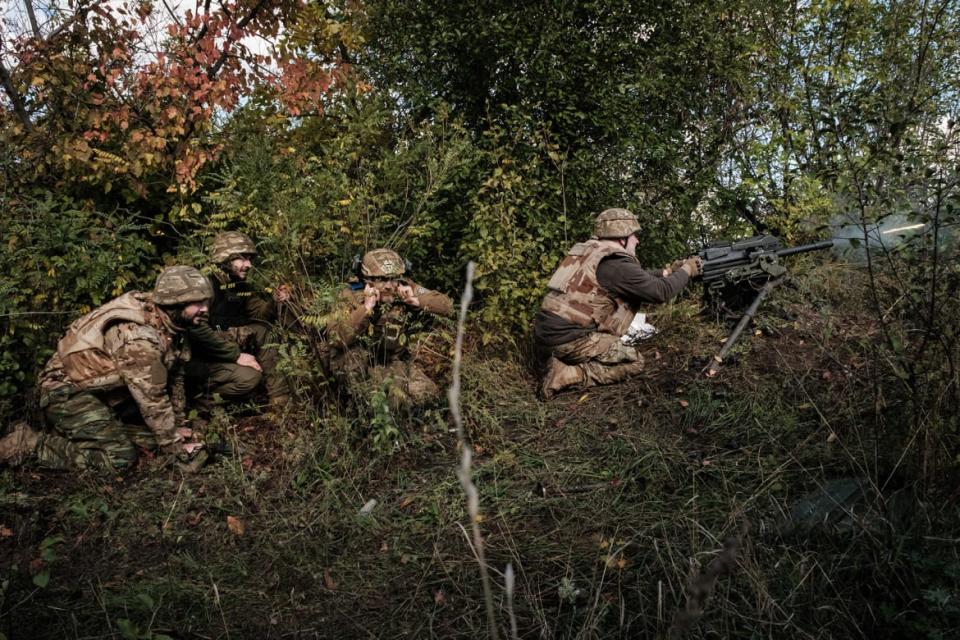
x: 731, y: 269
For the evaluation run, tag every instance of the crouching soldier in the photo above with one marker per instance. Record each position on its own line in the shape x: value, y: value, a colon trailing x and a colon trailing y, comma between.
x: 592, y: 299
x: 375, y: 330
x: 234, y: 351
x: 122, y: 359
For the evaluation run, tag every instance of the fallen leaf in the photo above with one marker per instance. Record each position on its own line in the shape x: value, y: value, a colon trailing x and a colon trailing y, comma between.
x: 684, y: 403
x: 235, y: 525
x: 656, y: 355
x: 827, y: 375
x: 832, y: 437
x: 406, y: 502
x: 439, y: 598
x: 706, y: 462
x: 194, y: 519
x: 383, y: 547
x: 583, y: 397
x: 5, y: 531
x: 328, y: 582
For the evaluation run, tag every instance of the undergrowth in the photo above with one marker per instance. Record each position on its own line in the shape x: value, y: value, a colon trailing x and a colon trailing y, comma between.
x: 608, y: 504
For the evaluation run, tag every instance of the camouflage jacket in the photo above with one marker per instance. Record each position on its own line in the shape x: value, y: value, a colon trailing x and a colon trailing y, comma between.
x: 144, y: 361
x: 389, y: 325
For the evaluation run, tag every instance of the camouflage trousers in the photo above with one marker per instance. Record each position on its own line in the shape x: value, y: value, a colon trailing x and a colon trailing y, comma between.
x: 233, y: 381
x: 591, y: 360
x: 405, y: 382
x: 86, y: 433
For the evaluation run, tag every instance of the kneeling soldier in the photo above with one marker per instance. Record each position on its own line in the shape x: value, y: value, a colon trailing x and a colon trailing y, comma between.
x: 377, y: 322
x: 123, y: 358
x: 233, y: 351
x: 592, y: 299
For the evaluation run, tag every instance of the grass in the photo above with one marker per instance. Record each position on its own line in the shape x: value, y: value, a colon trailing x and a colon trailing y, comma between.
x: 646, y: 480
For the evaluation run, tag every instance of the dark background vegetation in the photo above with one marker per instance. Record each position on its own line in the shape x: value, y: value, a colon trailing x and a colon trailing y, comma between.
x: 494, y: 132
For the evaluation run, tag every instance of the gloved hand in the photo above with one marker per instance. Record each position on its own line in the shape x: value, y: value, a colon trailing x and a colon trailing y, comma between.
x: 693, y: 266
x: 672, y: 267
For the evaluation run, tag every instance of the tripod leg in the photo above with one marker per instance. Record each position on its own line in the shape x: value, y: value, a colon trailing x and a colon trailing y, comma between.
x: 714, y: 366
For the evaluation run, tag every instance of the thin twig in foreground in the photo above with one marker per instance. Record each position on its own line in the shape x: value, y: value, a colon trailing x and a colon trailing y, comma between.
x: 463, y: 472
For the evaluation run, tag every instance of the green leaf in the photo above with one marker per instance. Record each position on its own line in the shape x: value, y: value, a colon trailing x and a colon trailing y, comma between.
x: 42, y: 579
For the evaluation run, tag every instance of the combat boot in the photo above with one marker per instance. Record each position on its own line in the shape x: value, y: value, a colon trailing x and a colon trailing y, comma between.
x: 19, y: 444
x: 560, y: 376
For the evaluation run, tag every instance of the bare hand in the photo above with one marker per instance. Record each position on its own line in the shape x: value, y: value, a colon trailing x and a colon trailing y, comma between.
x: 282, y: 293
x: 247, y: 360
x: 407, y: 296
x: 184, y: 433
x: 371, y: 296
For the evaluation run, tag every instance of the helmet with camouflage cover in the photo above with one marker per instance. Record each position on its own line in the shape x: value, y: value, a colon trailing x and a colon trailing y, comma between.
x: 181, y: 285
x: 615, y: 223
x: 228, y: 244
x: 382, y: 263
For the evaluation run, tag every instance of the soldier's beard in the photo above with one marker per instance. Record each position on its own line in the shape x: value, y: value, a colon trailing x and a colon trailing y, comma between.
x: 182, y: 320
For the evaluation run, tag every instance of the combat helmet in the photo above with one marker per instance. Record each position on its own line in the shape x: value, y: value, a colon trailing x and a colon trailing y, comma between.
x: 229, y: 244
x: 181, y: 285
x: 615, y: 223
x: 382, y: 263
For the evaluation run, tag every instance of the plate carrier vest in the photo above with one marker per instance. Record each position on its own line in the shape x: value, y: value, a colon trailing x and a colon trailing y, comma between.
x: 576, y: 296
x: 81, y: 350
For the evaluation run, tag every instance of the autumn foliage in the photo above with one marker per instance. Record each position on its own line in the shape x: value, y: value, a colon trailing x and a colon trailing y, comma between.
x: 112, y: 99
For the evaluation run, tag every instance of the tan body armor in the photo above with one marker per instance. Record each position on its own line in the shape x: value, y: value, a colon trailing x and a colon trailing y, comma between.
x: 81, y: 350
x: 576, y: 296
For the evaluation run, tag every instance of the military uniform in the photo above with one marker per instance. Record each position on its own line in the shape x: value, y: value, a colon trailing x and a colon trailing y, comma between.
x: 122, y: 359
x: 372, y: 348
x: 240, y: 321
x: 591, y: 300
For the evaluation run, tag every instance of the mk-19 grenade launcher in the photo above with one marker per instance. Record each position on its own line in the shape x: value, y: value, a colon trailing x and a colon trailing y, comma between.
x: 734, y: 270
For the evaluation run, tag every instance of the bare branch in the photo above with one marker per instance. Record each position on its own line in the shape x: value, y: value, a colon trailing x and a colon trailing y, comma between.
x: 33, y: 18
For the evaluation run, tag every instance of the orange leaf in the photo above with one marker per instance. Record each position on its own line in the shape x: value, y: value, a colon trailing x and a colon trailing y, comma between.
x: 328, y: 581
x: 235, y: 525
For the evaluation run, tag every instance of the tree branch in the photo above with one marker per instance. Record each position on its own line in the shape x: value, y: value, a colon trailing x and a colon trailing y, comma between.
x: 33, y: 19
x: 243, y: 22
x: 15, y: 98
